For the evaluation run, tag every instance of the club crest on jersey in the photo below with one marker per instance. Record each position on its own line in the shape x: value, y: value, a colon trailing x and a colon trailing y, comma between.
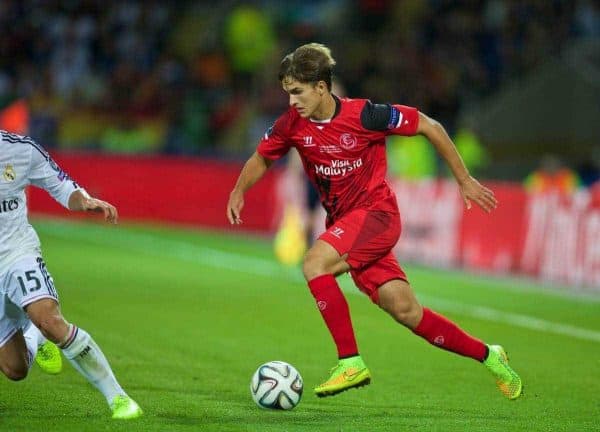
x: 9, y: 173
x: 348, y: 141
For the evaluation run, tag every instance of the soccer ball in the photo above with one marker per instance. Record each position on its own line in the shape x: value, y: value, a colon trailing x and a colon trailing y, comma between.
x: 276, y: 385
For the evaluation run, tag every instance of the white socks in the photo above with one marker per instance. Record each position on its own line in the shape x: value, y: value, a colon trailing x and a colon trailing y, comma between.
x: 33, y: 339
x: 85, y: 356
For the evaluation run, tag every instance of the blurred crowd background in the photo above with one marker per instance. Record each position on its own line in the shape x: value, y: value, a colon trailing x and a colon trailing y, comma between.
x: 200, y: 78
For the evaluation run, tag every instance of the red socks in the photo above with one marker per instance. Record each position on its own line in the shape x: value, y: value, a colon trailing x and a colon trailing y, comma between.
x: 433, y: 327
x: 334, y: 308
x: 444, y: 334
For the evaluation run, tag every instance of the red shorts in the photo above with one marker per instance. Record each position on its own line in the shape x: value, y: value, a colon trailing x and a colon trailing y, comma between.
x: 367, y: 236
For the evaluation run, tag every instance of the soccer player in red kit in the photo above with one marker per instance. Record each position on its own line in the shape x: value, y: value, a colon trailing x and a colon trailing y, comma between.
x: 342, y: 146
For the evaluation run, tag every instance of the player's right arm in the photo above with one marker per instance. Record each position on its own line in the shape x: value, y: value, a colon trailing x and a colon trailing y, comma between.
x: 272, y: 146
x: 80, y: 200
x: 46, y: 174
x: 252, y: 172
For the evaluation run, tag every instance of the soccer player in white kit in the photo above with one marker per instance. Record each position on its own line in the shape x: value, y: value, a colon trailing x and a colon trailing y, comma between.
x: 29, y: 309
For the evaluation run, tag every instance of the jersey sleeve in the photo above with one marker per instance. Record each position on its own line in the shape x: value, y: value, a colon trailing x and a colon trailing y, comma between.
x: 404, y: 120
x: 46, y: 174
x: 275, y: 143
x: 390, y: 119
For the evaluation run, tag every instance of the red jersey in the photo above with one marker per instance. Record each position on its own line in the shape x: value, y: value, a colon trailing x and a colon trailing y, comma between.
x: 344, y: 157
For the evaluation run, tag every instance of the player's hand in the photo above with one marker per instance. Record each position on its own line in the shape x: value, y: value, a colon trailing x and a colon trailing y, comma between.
x: 472, y: 190
x: 98, y: 206
x: 234, y: 207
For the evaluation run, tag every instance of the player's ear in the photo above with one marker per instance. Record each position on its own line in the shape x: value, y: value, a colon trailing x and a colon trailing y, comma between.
x: 321, y: 86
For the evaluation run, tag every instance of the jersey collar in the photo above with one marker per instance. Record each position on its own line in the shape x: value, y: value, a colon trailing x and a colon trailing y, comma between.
x: 338, y: 107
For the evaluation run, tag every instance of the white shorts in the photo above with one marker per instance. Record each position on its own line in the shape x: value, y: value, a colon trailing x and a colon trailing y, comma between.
x: 24, y: 282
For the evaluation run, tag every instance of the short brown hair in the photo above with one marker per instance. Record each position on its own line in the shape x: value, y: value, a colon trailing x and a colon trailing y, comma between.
x: 309, y: 63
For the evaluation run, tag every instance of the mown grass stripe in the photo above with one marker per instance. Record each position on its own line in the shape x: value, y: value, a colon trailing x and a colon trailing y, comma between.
x: 168, y: 248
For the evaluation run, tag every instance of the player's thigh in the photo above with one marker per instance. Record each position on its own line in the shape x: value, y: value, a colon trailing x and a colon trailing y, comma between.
x: 29, y: 285
x: 12, y: 319
x: 28, y: 280
x: 371, y: 277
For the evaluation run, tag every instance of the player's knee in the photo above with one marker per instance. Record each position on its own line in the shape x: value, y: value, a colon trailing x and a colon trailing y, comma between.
x: 407, y: 313
x: 16, y: 372
x: 312, y: 267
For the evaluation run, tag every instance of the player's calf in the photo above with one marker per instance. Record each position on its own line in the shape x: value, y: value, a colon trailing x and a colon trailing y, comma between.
x: 15, y: 358
x: 15, y: 365
x: 46, y: 316
x: 15, y: 372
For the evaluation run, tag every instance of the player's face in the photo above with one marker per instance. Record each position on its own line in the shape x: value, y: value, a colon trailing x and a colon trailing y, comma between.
x: 305, y: 98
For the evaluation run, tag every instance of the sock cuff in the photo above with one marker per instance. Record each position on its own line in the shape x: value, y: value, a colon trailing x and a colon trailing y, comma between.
x: 486, y: 355
x: 425, y: 323
x: 321, y: 282
x: 79, y: 341
x: 71, y: 335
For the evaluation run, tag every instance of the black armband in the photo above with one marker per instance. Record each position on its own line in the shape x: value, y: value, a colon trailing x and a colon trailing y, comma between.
x: 376, y: 117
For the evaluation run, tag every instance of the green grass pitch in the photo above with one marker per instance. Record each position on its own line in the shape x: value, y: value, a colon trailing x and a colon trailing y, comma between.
x: 185, y: 317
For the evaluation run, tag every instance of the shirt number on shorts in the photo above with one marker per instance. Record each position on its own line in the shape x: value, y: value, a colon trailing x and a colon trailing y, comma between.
x: 31, y: 285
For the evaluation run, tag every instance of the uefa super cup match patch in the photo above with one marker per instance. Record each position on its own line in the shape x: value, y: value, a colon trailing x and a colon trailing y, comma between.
x: 395, y: 118
x: 268, y: 132
x: 9, y: 173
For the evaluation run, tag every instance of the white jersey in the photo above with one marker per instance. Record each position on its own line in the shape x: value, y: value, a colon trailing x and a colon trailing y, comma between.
x: 24, y: 162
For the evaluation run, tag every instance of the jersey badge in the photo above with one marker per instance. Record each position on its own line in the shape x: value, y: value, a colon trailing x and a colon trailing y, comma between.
x: 9, y: 173
x: 348, y: 141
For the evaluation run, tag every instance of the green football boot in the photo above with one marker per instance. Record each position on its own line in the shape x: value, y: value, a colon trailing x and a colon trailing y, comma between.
x: 48, y: 358
x: 125, y: 408
x: 507, y: 380
x: 349, y: 373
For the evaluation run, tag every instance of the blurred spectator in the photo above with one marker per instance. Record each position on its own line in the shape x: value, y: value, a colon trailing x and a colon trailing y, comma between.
x: 207, y: 68
x: 128, y: 138
x: 250, y: 40
x: 589, y: 169
x: 472, y: 150
x: 411, y: 158
x: 587, y: 18
x: 15, y: 118
x: 552, y: 176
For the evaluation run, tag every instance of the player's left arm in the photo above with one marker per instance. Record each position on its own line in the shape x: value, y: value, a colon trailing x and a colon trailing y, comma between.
x: 470, y: 188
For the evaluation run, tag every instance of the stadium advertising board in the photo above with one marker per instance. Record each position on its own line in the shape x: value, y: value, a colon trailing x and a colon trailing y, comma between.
x: 552, y: 238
